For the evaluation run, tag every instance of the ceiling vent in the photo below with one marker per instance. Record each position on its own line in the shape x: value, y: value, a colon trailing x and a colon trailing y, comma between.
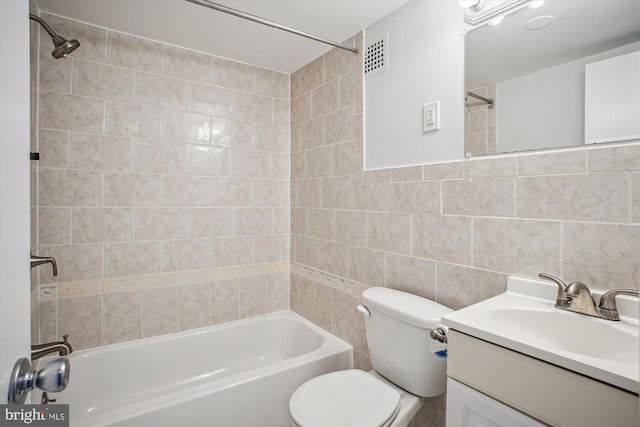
x: 376, y: 58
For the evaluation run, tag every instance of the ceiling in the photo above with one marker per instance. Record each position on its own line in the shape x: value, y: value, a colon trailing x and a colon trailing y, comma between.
x: 185, y: 24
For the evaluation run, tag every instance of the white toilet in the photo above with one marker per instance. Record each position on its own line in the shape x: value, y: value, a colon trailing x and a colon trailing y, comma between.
x: 405, y: 369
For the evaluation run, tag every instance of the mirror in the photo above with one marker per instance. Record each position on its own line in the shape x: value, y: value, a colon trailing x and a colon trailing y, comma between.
x: 533, y: 66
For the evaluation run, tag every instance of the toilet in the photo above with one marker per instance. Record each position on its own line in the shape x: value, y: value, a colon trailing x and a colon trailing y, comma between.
x: 404, y: 368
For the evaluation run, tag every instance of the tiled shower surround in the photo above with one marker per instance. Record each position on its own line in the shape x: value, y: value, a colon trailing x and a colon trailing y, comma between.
x: 160, y: 225
x: 163, y: 188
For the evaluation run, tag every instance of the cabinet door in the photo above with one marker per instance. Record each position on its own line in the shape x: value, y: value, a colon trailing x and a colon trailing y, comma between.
x: 467, y: 407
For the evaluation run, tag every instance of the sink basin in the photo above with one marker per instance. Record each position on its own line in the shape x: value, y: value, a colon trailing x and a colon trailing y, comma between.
x: 525, y: 320
x: 584, y: 336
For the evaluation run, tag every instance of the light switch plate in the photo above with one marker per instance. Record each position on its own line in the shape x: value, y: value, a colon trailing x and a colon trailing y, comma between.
x: 431, y: 116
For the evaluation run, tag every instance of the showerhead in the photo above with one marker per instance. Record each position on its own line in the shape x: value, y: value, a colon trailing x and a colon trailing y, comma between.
x: 62, y: 46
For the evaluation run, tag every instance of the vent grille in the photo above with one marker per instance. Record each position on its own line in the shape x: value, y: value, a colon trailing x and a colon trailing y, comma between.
x: 375, y: 58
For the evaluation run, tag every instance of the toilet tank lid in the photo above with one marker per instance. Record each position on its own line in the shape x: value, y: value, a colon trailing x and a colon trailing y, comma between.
x: 404, y: 306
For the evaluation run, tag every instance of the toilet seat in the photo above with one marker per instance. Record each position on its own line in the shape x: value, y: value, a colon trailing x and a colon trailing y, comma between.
x: 350, y: 398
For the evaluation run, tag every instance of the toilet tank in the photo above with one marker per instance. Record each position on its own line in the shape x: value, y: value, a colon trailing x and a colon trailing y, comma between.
x: 398, y: 339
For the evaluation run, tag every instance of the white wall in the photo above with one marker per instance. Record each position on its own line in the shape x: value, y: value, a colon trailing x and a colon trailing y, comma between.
x: 14, y: 188
x: 545, y: 109
x: 426, y: 49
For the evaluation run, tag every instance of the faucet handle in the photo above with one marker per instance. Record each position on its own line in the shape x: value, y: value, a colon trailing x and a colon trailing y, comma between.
x: 562, y: 287
x: 607, y: 306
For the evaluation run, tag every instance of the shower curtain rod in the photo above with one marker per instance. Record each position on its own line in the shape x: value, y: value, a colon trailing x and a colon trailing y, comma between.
x: 481, y: 98
x: 244, y: 15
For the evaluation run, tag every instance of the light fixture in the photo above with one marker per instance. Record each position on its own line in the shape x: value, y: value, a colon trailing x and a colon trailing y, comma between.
x: 536, y: 4
x: 475, y: 15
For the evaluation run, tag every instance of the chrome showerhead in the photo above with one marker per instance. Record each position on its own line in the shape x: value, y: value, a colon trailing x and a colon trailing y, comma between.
x: 62, y: 46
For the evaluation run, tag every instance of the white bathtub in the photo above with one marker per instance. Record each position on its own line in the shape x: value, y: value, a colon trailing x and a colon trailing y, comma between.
x: 236, y: 374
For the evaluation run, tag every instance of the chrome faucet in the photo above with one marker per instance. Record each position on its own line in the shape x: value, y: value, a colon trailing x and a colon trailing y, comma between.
x: 39, y: 260
x: 576, y: 297
x: 63, y: 348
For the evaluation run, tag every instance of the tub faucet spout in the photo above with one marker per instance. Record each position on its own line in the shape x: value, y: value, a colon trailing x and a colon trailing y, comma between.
x: 63, y: 348
x: 39, y: 260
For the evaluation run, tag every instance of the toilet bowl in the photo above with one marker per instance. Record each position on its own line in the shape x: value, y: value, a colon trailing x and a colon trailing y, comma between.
x: 405, y: 369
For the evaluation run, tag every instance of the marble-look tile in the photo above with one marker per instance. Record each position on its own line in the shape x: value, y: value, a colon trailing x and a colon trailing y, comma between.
x: 604, y: 256
x: 54, y: 226
x: 158, y: 157
x: 271, y: 138
x: 233, y: 75
x: 517, y: 246
x: 210, y: 222
x: 444, y: 238
x: 63, y: 187
x: 251, y: 164
x: 479, y: 196
x: 270, y: 193
x: 224, y: 301
x: 389, y: 232
x: 48, y: 321
x: 350, y: 227
x: 406, y: 174
x: 272, y: 83
x: 160, y: 223
x: 370, y: 197
x: 132, y: 258
x: 486, y: 167
x: 410, y: 274
x: 137, y: 121
x: 231, y: 192
x: 281, y: 112
x: 323, y: 306
x: 186, y: 127
x: 337, y: 62
x: 306, y: 251
x: 557, y: 162
x: 339, y: 126
x: 334, y: 258
x: 366, y: 266
x: 344, y: 310
x: 320, y: 223
x: 423, y: 196
x: 346, y: 160
x: 622, y: 158
x: 301, y: 109
x: 271, y: 248
x: 185, y: 191
x: 193, y: 306
x: 318, y: 162
x: 134, y: 52
x: 187, y: 64
x: 450, y: 170
x: 214, y: 101
x: 308, y: 77
x: 185, y: 254
x: 75, y: 262
x: 281, y: 220
x: 590, y: 197
x: 98, y: 152
x: 102, y: 81
x: 255, y: 108
x: 55, y: 75
x: 97, y: 225
x: 251, y: 294
x: 232, y: 133
x: 122, y: 318
x: 160, y: 91
x: 81, y: 319
x: 309, y: 134
x: 206, y: 160
x: 277, y: 292
x: 226, y: 251
x: 54, y: 149
x: 459, y: 287
x: 131, y: 189
x: 159, y: 311
x: 324, y: 99
x: 336, y: 192
x: 252, y: 221
x: 635, y: 197
x: 70, y: 112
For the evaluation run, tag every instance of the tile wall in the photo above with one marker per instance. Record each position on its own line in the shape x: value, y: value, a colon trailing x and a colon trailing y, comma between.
x: 480, y: 123
x: 451, y: 232
x: 162, y: 188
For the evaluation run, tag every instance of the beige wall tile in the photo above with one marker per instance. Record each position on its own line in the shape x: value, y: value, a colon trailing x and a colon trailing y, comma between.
x: 69, y: 112
x: 227, y: 251
x: 308, y: 77
x: 479, y: 196
x: 298, y: 221
x: 626, y: 157
x: 60, y: 187
x: 272, y: 83
x: 552, y: 163
x: 193, y: 306
x: 306, y: 250
x: 187, y: 64
x: 185, y: 191
x: 445, y: 238
x: 351, y: 227
x: 270, y: 193
x: 413, y: 275
x: 122, y: 317
x: 412, y: 173
x: 337, y: 62
x: 138, y: 121
x: 185, y: 254
x: 271, y: 138
x: 423, y: 196
x: 251, y: 293
x: 251, y: 221
x: 161, y: 91
x: 343, y: 313
x: 134, y: 52
x: 390, y: 232
x: 233, y: 75
x: 231, y: 192
x: 450, y: 170
x: 280, y: 166
x: 459, y: 286
x: 336, y: 192
x: 210, y: 222
x: 309, y: 134
x: 97, y: 225
x: 132, y: 258
x: 334, y: 258
x: 346, y: 160
x: 281, y: 220
x: 159, y: 311
x: 251, y: 164
x: 323, y: 306
x: 339, y: 126
x: 81, y: 319
x: 517, y: 246
x: 158, y: 157
x: 272, y: 248
x: 301, y: 109
x: 186, y: 127
x: 54, y: 149
x: 277, y: 292
x: 599, y: 197
x: 131, y: 189
x: 160, y: 223
x: 635, y: 197
x: 93, y: 39
x: 54, y: 226
x: 306, y: 298
x: 208, y: 161
x: 255, y: 108
x: 55, y: 74
x: 48, y: 321
x: 366, y: 266
x: 320, y: 223
x: 281, y: 112
x: 75, y: 262
x: 224, y: 301
x: 324, y: 99
x: 500, y: 166
x: 318, y: 162
x: 102, y: 81
x: 299, y: 165
x: 214, y: 101
x: 604, y: 256
x: 97, y: 152
x: 232, y: 133
x: 373, y: 197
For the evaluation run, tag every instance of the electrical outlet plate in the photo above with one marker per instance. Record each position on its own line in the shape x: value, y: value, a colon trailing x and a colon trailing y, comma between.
x: 431, y: 116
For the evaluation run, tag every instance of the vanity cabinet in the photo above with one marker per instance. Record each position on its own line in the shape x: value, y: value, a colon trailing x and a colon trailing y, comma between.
x: 501, y: 387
